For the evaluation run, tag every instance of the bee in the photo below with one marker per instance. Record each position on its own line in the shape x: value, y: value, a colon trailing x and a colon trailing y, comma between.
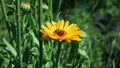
x: 56, y: 31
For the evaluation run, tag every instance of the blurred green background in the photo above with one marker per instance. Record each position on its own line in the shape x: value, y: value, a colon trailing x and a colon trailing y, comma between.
x: 100, y: 21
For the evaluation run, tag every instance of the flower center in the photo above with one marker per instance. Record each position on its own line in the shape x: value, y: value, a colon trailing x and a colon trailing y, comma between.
x: 60, y: 32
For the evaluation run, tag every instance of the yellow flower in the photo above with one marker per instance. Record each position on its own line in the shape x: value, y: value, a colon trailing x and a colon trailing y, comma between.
x: 61, y: 31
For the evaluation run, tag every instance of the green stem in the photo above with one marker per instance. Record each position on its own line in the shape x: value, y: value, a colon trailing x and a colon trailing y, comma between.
x: 40, y: 21
x: 4, y: 9
x: 5, y: 15
x: 58, y: 54
x: 59, y: 5
x: 19, y: 31
x: 60, y: 2
x: 23, y: 22
x: 50, y: 10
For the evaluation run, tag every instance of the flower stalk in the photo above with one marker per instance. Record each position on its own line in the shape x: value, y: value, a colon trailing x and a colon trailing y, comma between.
x: 58, y: 54
x: 5, y: 15
x: 19, y: 32
x: 4, y: 9
x: 50, y: 10
x: 40, y: 21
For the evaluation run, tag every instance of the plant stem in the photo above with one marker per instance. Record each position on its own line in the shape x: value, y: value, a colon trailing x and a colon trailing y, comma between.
x: 50, y: 10
x: 19, y: 31
x: 4, y: 10
x: 60, y: 2
x: 5, y: 16
x: 58, y: 54
x: 58, y: 8
x: 40, y: 21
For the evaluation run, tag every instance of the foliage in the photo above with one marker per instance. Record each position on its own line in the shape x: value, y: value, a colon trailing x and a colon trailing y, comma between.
x: 98, y: 19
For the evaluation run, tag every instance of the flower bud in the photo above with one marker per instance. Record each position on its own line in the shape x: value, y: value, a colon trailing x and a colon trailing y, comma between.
x: 25, y: 6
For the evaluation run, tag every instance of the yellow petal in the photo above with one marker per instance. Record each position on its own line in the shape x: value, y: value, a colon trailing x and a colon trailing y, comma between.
x: 54, y: 24
x: 66, y: 25
x: 44, y: 32
x: 61, y: 24
x: 50, y: 26
x: 76, y: 38
x: 46, y: 29
x: 76, y: 33
x: 58, y: 24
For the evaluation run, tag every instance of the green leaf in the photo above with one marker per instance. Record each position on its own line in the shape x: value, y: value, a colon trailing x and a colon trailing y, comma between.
x: 84, y: 35
x: 34, y: 37
x: 83, y: 53
x: 30, y: 66
x: 48, y: 64
x: 9, y: 47
x: 45, y: 7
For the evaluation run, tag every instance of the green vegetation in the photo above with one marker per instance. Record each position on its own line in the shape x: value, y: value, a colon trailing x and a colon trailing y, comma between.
x: 20, y: 37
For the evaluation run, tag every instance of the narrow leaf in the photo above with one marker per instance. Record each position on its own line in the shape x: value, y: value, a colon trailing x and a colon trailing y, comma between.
x: 83, y: 53
x: 9, y: 47
x: 34, y: 37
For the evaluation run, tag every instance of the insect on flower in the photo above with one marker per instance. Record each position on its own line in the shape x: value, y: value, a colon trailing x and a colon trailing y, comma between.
x: 61, y: 31
x: 57, y: 30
